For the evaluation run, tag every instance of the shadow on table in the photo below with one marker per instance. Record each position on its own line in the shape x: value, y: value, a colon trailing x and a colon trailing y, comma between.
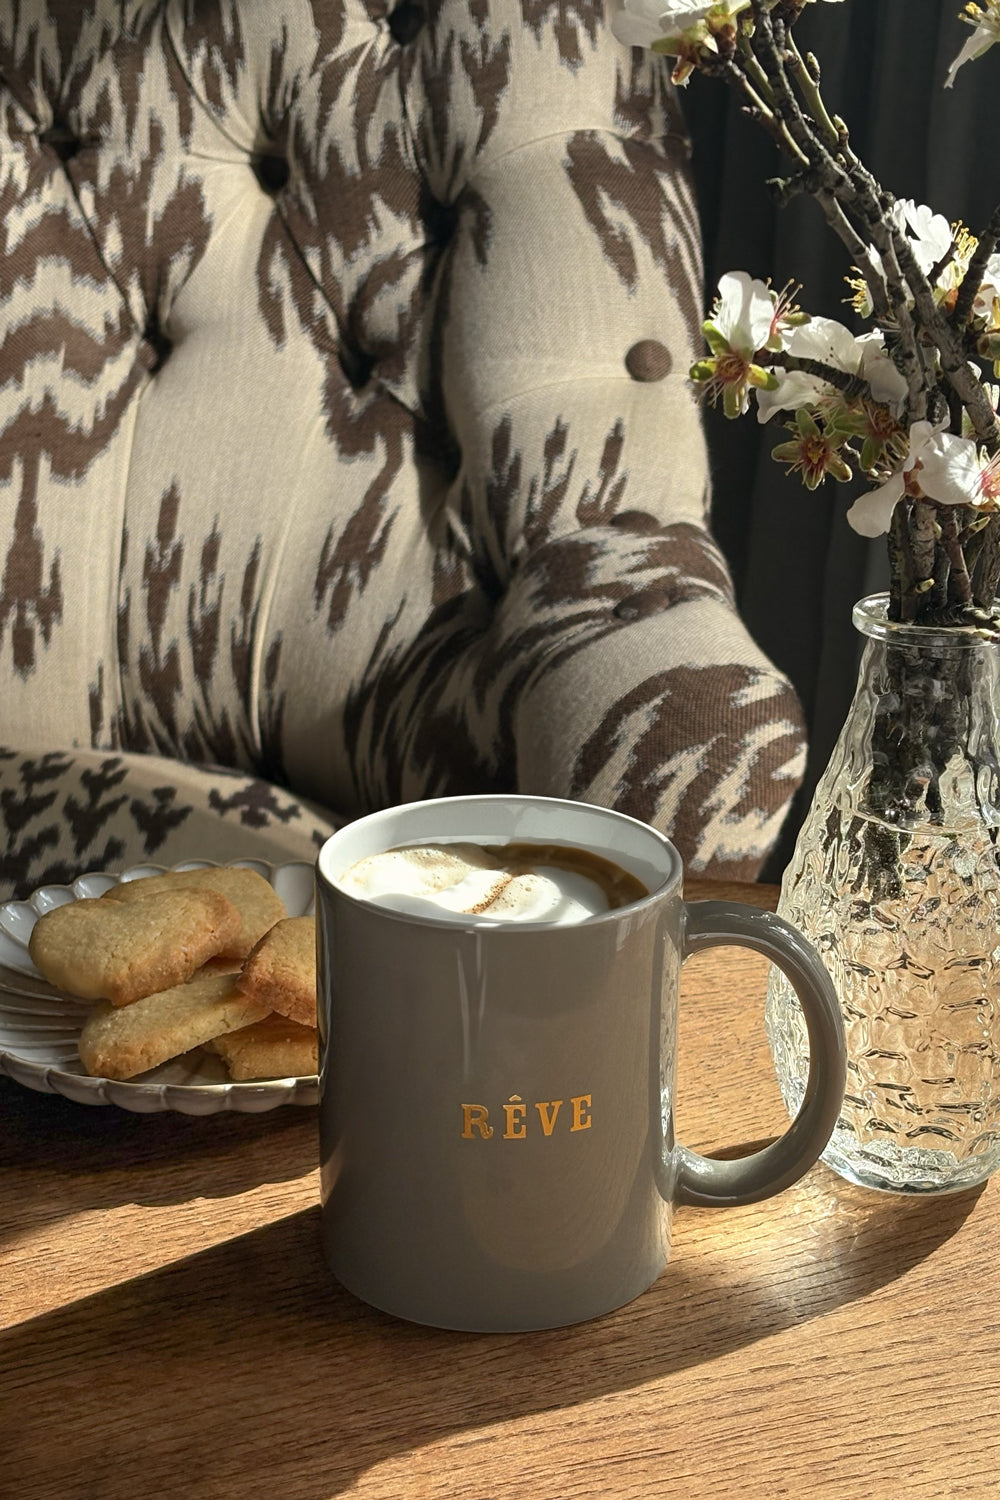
x: 246, y: 1371
x: 71, y: 1158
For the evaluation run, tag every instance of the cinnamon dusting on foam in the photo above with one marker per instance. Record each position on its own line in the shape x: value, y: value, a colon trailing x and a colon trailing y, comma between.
x: 506, y: 882
x: 620, y: 886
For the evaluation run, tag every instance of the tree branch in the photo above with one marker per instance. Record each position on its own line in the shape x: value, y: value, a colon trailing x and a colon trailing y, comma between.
x: 852, y: 385
x: 959, y: 584
x: 807, y: 77
x: 986, y: 571
x: 972, y: 280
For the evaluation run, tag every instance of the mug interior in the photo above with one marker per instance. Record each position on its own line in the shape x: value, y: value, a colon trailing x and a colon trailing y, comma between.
x: 638, y: 848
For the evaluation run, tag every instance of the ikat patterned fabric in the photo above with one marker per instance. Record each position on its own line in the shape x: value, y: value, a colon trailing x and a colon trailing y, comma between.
x: 347, y: 454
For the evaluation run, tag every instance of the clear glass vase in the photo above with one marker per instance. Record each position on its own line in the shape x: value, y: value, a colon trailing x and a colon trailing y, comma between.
x: 896, y: 880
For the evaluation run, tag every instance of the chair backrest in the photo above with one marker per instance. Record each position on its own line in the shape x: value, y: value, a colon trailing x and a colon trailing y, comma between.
x: 344, y: 423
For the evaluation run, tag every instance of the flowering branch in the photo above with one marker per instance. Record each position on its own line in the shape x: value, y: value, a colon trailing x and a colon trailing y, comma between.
x: 851, y: 385
x: 978, y: 265
x: 903, y: 404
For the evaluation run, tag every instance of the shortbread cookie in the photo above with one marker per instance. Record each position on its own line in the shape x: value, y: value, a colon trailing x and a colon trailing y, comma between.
x: 272, y: 1048
x: 102, y: 950
x: 281, y: 970
x: 119, y: 1043
x: 221, y: 965
x: 256, y: 900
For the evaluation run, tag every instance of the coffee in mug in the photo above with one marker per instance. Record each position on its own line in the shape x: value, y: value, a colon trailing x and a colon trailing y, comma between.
x: 520, y: 882
x: 496, y: 1108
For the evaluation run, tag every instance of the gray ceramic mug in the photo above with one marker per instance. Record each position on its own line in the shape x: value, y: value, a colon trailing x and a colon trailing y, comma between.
x: 496, y: 1102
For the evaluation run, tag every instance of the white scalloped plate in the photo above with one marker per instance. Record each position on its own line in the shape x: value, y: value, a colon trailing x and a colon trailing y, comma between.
x: 40, y: 1026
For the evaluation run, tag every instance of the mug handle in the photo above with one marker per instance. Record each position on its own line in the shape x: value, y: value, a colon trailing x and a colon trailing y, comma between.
x: 721, y: 1184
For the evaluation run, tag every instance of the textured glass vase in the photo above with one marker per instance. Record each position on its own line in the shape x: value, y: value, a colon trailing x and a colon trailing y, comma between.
x: 895, y: 879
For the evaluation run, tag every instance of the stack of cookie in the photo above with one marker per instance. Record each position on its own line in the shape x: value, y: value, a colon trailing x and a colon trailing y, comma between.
x: 194, y: 958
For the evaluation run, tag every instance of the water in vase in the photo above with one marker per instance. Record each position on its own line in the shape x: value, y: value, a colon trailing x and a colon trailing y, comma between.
x: 918, y: 975
x: 895, y: 878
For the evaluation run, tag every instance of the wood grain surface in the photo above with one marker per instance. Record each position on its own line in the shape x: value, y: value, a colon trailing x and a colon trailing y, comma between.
x: 169, y: 1328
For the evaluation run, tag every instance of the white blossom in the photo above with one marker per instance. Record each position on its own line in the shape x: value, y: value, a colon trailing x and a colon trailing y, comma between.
x: 640, y: 23
x: 949, y: 469
x: 939, y: 466
x: 933, y: 241
x: 829, y: 342
x: 886, y: 382
x: 984, y: 18
x: 743, y: 320
x: 989, y: 291
x: 794, y: 389
x: 930, y: 234
x: 744, y: 312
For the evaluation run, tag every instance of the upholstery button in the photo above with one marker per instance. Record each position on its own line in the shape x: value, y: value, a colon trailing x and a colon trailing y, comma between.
x: 154, y: 351
x: 61, y: 140
x: 272, y: 172
x: 650, y: 602
x: 648, y: 360
x: 356, y: 365
x: 440, y: 220
x: 405, y: 21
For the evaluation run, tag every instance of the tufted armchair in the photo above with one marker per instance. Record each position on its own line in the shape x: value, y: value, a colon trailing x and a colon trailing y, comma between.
x: 346, y: 449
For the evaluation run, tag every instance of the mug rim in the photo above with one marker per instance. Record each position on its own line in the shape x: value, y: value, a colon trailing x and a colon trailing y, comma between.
x: 672, y: 878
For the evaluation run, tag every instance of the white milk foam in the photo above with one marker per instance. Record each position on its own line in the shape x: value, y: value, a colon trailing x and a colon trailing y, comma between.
x: 460, y: 880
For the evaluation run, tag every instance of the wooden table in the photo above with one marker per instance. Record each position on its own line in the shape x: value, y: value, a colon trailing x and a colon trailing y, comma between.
x: 169, y: 1328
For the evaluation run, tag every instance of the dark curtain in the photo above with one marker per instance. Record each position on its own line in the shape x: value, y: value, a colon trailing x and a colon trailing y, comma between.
x: 798, y: 566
